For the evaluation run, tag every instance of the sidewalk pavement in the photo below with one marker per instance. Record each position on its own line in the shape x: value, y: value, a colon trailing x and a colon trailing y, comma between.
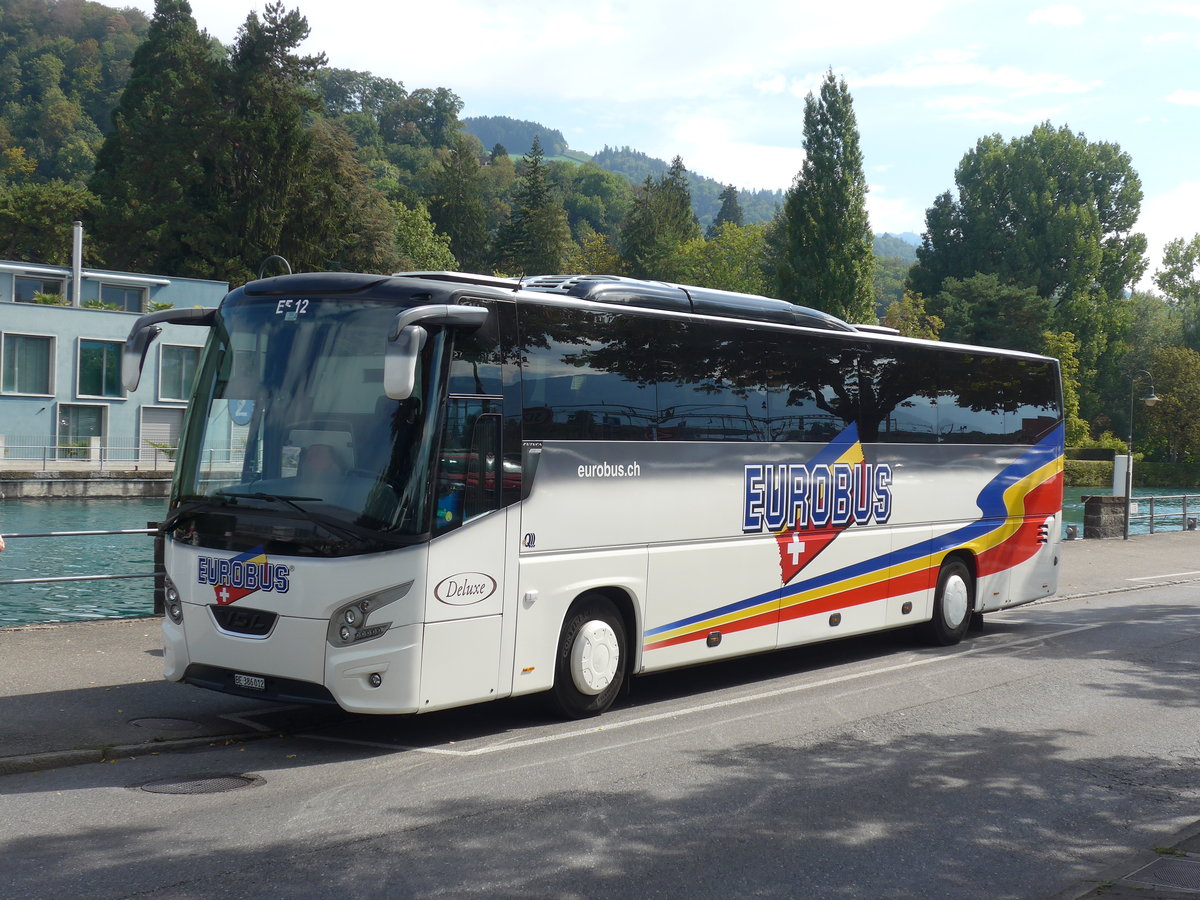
x: 89, y: 691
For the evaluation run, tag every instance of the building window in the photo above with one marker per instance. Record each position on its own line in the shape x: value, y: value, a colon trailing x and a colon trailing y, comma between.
x: 178, y: 371
x: 77, y: 425
x: 27, y: 364
x: 26, y: 288
x: 99, y: 368
x: 130, y: 299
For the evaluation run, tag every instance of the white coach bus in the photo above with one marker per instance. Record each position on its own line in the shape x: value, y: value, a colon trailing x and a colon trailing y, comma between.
x: 407, y: 493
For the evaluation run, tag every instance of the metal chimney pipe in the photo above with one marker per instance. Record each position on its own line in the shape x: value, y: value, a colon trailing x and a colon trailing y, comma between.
x: 76, y: 262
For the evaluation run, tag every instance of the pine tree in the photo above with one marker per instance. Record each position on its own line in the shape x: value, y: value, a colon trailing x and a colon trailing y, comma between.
x: 153, y: 172
x: 271, y: 152
x: 826, y: 259
x: 730, y: 212
x: 536, y: 239
x: 456, y: 203
x: 659, y: 224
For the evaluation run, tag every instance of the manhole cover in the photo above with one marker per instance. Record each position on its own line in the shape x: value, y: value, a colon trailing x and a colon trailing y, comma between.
x: 200, y: 784
x: 165, y: 724
x: 1181, y: 874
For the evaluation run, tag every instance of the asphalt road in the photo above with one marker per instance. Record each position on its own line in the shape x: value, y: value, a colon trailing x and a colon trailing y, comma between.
x: 1019, y: 764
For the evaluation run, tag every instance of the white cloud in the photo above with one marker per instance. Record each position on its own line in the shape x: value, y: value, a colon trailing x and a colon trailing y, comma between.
x: 712, y: 146
x: 1184, y: 98
x: 989, y: 109
x: 1165, y: 217
x: 961, y: 72
x: 1187, y: 10
x: 894, y: 215
x: 1061, y: 14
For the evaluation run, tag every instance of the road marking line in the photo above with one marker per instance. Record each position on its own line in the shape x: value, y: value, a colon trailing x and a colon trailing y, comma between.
x: 1171, y: 575
x: 706, y: 707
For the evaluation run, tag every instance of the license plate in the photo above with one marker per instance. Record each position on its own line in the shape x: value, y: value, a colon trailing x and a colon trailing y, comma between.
x: 252, y: 682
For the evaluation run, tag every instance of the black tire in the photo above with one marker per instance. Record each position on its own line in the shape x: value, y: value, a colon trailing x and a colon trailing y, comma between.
x: 592, y: 659
x: 953, y: 604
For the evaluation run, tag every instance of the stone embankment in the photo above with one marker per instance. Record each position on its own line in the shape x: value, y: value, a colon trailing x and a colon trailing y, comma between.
x: 60, y: 484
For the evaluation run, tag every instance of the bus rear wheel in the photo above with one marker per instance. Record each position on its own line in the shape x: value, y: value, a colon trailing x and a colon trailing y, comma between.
x: 953, y: 604
x: 592, y: 659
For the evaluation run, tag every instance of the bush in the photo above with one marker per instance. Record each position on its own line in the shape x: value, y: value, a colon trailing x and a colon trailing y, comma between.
x: 1088, y: 473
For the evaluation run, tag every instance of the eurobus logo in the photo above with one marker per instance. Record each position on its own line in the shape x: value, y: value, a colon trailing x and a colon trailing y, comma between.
x: 233, y: 579
x: 795, y: 497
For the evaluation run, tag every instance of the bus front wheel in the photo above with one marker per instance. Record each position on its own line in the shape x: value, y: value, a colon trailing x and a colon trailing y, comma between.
x: 592, y: 659
x: 952, y: 604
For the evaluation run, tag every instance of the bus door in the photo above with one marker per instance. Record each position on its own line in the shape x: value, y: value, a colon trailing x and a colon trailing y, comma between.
x: 466, y: 584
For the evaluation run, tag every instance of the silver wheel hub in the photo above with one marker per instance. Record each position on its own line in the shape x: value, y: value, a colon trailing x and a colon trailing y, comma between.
x: 955, y: 601
x: 595, y: 656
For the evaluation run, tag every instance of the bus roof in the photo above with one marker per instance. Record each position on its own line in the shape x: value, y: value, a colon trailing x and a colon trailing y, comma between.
x: 606, y: 289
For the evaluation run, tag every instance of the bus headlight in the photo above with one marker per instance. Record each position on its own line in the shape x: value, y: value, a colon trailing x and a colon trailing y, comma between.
x: 172, y: 604
x: 351, y: 623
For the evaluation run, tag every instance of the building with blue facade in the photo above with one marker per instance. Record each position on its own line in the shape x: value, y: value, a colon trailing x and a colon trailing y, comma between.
x: 62, y: 330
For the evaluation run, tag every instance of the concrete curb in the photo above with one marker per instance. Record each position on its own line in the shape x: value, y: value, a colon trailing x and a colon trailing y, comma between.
x: 57, y: 759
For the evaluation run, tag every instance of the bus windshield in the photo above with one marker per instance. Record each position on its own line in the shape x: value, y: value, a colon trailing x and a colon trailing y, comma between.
x: 293, y: 439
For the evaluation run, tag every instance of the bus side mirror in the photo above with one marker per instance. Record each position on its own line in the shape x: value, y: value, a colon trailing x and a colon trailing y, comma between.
x: 407, y: 337
x: 146, y: 329
x: 133, y: 357
x: 400, y: 362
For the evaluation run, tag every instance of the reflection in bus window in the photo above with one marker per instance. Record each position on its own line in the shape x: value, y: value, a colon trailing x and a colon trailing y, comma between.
x: 587, y: 376
x: 712, y: 385
x: 901, y: 383
x: 814, y: 387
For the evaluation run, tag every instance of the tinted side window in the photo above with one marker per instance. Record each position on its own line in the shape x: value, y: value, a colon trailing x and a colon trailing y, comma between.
x: 814, y: 391
x: 1036, y: 406
x: 711, y: 384
x: 972, y: 399
x: 899, y: 394
x: 588, y: 376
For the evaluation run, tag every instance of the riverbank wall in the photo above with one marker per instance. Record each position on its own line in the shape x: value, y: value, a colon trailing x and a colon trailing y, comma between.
x: 55, y: 485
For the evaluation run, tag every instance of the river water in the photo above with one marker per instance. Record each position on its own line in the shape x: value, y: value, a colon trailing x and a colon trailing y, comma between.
x: 134, y: 554
x: 92, y: 555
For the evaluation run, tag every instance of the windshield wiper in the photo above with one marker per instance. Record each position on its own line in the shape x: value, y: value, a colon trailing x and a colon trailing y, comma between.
x: 346, y: 530
x: 185, y: 509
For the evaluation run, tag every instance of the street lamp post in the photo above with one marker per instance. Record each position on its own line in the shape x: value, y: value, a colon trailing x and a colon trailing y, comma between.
x: 1150, y: 399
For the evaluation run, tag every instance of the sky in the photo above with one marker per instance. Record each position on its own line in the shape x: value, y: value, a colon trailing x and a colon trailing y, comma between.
x: 722, y: 84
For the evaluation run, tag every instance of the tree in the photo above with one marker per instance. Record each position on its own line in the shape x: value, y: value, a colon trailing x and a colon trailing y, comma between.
x: 730, y: 260
x: 35, y: 220
x: 62, y: 67
x: 730, y: 211
x: 826, y: 260
x: 908, y: 316
x: 1172, y: 422
x: 154, y: 172
x: 1051, y: 211
x: 536, y: 239
x: 596, y: 255
x: 984, y: 310
x: 1063, y: 347
x: 595, y: 200
x: 1179, y: 279
x: 333, y: 218
x: 888, y: 281
x: 659, y: 223
x: 419, y: 247
x: 271, y: 153
x: 456, y: 203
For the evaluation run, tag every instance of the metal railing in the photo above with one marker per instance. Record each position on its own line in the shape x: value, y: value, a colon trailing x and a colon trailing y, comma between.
x: 1172, y: 512
x: 19, y: 452
x: 158, y: 575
